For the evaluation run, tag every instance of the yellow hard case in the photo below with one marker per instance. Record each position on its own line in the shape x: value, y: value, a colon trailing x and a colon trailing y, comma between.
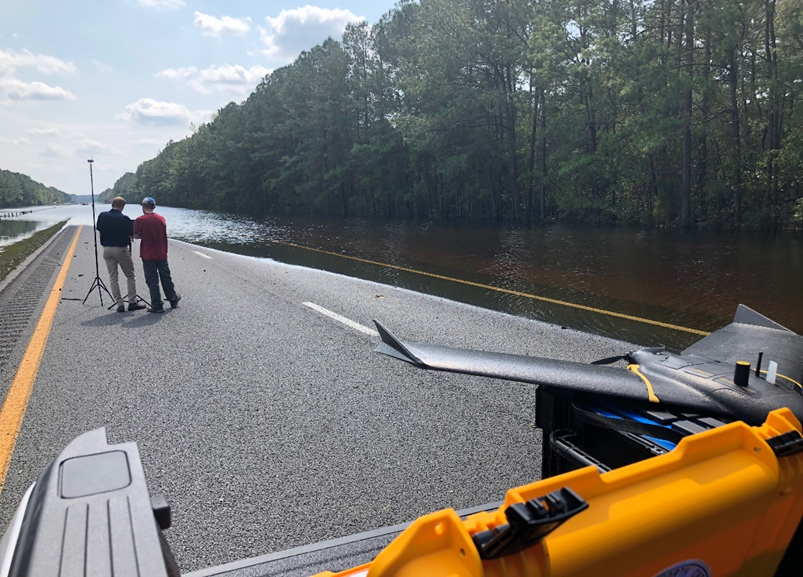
x: 721, y: 503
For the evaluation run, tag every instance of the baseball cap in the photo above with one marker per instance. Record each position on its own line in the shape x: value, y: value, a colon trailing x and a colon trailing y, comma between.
x: 149, y: 201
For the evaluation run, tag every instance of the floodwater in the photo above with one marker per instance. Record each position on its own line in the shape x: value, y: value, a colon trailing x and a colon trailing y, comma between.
x: 689, y: 280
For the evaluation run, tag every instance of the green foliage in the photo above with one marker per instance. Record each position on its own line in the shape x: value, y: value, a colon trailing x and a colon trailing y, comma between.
x: 126, y: 187
x: 11, y: 256
x: 474, y: 108
x: 798, y: 212
x: 18, y: 190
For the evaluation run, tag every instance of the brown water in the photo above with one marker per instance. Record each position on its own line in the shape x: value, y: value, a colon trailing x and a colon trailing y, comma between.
x: 692, y: 280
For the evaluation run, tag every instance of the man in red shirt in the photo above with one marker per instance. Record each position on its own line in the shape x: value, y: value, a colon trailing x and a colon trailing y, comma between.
x: 151, y: 229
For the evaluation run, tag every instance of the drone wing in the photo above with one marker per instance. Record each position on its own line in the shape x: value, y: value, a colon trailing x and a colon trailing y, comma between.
x: 699, y: 380
x: 560, y: 374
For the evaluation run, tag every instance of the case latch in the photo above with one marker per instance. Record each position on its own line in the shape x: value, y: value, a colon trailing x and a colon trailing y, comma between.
x: 528, y: 523
x: 786, y: 444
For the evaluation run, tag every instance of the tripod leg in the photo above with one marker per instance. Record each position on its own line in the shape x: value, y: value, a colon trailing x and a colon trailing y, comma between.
x: 91, y: 288
x: 140, y: 299
x: 100, y: 292
x: 98, y: 283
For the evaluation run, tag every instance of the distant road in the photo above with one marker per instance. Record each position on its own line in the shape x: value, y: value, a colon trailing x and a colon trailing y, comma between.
x: 260, y: 409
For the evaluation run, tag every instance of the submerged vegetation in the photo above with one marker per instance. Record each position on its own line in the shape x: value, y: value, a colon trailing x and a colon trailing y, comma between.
x: 666, y: 112
x: 11, y: 256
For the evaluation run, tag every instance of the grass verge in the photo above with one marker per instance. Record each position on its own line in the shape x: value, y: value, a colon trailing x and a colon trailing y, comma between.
x: 12, y: 255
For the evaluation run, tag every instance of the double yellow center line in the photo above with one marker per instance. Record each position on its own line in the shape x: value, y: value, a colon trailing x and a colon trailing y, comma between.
x: 19, y: 393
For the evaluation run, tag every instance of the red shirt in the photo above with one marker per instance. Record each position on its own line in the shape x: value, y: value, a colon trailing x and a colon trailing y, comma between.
x: 153, y: 230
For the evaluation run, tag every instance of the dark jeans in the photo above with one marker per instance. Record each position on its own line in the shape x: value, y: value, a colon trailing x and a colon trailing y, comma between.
x: 155, y: 270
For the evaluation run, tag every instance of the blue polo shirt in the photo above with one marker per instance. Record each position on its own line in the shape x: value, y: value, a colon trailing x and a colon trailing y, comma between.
x: 115, y: 228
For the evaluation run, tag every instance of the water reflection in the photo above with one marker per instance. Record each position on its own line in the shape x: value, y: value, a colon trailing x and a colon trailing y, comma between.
x: 693, y: 280
x: 13, y: 230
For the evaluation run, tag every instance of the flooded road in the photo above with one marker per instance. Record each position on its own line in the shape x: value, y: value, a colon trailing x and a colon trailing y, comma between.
x: 554, y: 273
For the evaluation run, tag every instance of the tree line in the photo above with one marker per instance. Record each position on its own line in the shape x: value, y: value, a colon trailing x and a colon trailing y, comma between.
x: 664, y: 112
x: 18, y: 190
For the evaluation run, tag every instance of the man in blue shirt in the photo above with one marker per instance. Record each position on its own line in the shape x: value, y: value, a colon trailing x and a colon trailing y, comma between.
x: 116, y: 230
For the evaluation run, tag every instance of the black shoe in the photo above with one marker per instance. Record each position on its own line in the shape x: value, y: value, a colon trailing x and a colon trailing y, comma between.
x: 174, y: 302
x: 153, y: 310
x: 120, y: 308
x: 135, y: 307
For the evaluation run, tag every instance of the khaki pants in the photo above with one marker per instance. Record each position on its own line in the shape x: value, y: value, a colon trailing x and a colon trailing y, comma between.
x: 120, y: 255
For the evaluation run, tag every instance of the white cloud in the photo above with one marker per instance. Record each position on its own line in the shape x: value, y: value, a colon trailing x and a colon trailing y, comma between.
x: 184, y: 74
x: 149, y: 111
x: 226, y: 77
x: 153, y: 112
x: 301, y: 28
x: 102, y: 66
x: 18, y: 90
x: 215, y: 27
x: 10, y: 60
x: 14, y: 89
x: 83, y: 145
x: 80, y: 146
x: 149, y: 142
x: 14, y: 141
x: 43, y: 131
x: 56, y: 151
x: 171, y: 4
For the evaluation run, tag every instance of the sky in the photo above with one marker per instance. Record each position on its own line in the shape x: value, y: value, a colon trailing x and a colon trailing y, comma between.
x: 115, y: 80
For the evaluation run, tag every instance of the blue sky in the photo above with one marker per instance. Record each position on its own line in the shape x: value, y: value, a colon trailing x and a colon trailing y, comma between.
x: 114, y: 80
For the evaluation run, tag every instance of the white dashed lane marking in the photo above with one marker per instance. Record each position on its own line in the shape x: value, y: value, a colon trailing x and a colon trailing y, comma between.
x: 202, y: 254
x: 342, y: 319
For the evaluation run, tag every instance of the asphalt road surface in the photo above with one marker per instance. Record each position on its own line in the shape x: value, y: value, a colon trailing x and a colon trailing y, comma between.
x: 265, y: 422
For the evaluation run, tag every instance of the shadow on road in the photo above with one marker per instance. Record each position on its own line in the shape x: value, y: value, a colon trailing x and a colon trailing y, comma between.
x: 128, y: 320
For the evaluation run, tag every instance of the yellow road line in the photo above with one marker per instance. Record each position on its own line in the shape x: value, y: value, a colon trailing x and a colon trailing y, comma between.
x: 19, y: 393
x: 503, y: 290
